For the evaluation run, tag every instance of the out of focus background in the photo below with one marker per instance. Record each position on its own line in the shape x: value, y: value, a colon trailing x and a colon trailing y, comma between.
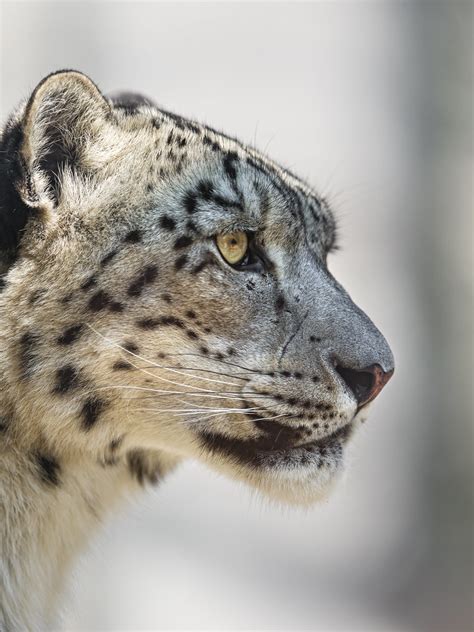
x: 372, y: 102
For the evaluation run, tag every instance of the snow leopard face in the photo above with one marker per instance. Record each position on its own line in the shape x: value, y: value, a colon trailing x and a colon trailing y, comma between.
x: 166, y: 292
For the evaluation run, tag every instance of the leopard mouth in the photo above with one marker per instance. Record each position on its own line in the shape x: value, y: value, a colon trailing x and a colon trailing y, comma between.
x: 265, y: 452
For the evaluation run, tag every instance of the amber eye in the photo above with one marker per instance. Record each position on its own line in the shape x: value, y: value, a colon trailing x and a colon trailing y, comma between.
x: 233, y: 246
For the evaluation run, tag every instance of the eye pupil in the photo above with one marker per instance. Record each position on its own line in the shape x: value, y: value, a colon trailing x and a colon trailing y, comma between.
x: 233, y: 246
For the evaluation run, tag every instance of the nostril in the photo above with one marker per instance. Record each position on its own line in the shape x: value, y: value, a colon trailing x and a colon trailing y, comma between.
x: 366, y: 383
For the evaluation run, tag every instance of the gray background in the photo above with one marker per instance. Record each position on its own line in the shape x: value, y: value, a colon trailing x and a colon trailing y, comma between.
x: 372, y: 102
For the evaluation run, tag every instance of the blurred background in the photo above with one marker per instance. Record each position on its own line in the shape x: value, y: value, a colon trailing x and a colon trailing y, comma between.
x: 372, y: 102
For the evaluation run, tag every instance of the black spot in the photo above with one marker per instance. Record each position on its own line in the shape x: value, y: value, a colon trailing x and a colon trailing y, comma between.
x: 141, y: 469
x: 35, y: 296
x: 180, y: 262
x: 171, y: 320
x: 115, y: 444
x: 88, y: 283
x: 280, y: 303
x: 28, y: 353
x: 166, y: 297
x: 122, y: 365
x: 229, y: 166
x: 67, y: 298
x: 48, y: 469
x: 99, y: 301
x: 167, y: 222
x: 190, y: 225
x: 148, y: 323
x: 192, y: 334
x: 133, y: 237
x: 285, y: 373
x: 189, y: 202
x: 191, y: 314
x: 91, y: 411
x: 67, y: 378
x: 207, y: 261
x: 110, y: 456
x: 4, y: 424
x: 108, y: 258
x: 116, y: 306
x: 130, y: 346
x: 205, y: 189
x: 182, y: 242
x: 204, y: 350
x: 70, y: 335
x: 145, y: 277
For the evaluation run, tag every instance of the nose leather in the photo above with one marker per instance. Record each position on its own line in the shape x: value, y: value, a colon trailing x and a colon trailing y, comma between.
x: 381, y: 377
x: 365, y: 384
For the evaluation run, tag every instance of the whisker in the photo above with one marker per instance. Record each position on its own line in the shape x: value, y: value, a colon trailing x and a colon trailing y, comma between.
x: 212, y: 394
x: 198, y: 355
x: 156, y: 365
x: 186, y: 368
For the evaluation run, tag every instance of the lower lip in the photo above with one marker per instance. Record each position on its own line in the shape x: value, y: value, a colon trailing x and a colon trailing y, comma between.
x: 322, y: 453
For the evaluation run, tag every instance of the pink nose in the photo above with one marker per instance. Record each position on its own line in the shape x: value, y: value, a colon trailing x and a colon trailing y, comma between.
x: 365, y: 384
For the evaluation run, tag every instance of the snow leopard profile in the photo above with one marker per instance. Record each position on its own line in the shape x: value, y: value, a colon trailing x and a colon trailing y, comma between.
x: 164, y: 295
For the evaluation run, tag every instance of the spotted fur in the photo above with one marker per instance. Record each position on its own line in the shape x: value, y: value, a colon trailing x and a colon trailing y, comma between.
x: 128, y: 343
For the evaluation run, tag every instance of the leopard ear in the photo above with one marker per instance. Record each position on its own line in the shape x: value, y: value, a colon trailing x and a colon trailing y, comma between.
x: 64, y: 117
x: 55, y: 131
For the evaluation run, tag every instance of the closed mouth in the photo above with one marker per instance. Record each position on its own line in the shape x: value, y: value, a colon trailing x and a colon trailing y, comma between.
x: 264, y: 452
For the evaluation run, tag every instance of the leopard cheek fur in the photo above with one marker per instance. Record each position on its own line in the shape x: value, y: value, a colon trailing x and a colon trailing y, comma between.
x: 128, y: 343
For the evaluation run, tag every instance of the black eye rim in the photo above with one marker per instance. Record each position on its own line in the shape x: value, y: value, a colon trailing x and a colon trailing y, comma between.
x: 252, y: 261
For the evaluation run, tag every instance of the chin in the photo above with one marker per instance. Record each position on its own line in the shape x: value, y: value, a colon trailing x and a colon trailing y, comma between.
x: 301, y: 475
